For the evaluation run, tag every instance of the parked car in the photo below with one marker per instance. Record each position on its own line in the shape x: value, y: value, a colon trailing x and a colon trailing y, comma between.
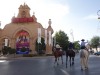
x: 97, y: 53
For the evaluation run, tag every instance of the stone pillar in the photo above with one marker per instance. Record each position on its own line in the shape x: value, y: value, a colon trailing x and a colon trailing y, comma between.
x: 48, y: 49
x: 12, y: 43
x: 32, y: 46
x: 1, y: 45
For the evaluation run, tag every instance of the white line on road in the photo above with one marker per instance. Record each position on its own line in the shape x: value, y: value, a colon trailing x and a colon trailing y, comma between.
x: 65, y: 72
x: 2, y: 60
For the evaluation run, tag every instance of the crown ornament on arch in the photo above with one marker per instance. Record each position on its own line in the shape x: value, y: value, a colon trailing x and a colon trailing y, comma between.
x: 24, y: 15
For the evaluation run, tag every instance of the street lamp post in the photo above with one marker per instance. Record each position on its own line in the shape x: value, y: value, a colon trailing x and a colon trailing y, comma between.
x: 98, y: 13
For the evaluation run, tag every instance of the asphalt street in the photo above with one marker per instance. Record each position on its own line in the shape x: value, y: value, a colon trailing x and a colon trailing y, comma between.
x: 45, y: 66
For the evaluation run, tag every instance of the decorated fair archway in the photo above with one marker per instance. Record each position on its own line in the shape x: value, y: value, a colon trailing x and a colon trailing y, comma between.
x: 22, y: 42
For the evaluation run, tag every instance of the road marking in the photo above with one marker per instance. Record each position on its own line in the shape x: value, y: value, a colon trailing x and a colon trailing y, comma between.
x: 65, y: 72
x: 2, y: 60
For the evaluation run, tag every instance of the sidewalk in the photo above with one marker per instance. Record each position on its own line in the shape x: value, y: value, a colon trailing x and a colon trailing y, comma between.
x: 8, y: 57
x: 12, y: 57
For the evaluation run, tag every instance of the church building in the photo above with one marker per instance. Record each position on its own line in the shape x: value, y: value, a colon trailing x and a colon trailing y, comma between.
x: 25, y: 32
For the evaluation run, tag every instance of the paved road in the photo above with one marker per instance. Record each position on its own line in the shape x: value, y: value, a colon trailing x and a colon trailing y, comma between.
x: 45, y: 66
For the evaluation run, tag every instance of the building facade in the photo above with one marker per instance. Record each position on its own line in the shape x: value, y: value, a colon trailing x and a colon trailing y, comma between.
x: 25, y: 31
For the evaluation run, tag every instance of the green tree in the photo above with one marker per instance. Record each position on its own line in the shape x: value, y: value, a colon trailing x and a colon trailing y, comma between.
x: 62, y: 39
x: 76, y: 45
x: 40, y: 47
x: 95, y: 42
x: 23, y: 49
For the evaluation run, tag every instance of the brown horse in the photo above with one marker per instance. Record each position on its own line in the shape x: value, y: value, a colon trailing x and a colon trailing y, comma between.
x: 71, y: 54
x: 57, y: 54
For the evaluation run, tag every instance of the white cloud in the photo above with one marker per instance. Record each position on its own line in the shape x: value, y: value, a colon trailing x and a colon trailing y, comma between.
x: 43, y: 11
x: 55, y: 12
x: 91, y: 17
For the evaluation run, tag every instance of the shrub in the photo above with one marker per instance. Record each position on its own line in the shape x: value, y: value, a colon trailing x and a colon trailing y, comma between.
x: 28, y: 55
x: 12, y: 51
x: 23, y: 49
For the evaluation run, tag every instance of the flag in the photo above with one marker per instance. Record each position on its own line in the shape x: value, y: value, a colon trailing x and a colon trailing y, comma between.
x: 50, y: 42
x: 6, y: 42
x: 0, y: 23
x: 55, y: 41
x: 45, y: 36
x: 39, y: 35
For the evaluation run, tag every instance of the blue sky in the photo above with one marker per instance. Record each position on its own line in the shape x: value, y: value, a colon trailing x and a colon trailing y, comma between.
x: 85, y: 22
x: 78, y: 16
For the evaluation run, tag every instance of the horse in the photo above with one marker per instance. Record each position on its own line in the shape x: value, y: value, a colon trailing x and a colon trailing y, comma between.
x: 84, y: 55
x: 57, y: 54
x: 71, y: 54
